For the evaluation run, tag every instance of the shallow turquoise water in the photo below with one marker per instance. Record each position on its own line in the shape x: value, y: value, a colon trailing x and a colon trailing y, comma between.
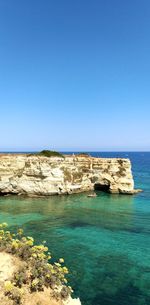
x: 105, y: 240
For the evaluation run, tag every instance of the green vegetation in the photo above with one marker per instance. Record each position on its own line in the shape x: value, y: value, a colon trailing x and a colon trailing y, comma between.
x: 36, y: 272
x: 83, y: 154
x: 48, y: 153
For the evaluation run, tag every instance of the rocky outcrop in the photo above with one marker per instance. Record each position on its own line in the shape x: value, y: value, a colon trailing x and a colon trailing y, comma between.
x: 43, y: 176
x: 9, y: 264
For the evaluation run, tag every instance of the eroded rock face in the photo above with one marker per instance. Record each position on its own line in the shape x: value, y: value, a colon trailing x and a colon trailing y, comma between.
x: 42, y: 176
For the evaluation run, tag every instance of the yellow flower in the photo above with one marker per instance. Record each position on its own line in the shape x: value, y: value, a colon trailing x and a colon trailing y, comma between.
x: 23, y: 239
x: 61, y: 260
x: 1, y: 232
x: 15, y: 244
x: 34, y: 282
x: 58, y: 265
x: 30, y: 238
x: 20, y: 232
x: 29, y: 243
x: 4, y: 225
x: 8, y: 286
x: 41, y: 255
x: 7, y: 232
x: 65, y: 270
x: 53, y: 271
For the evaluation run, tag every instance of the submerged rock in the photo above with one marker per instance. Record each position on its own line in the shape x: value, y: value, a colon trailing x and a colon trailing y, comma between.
x: 43, y: 176
x: 92, y: 195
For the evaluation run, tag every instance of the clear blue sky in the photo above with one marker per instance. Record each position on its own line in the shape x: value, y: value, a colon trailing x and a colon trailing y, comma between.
x: 75, y: 75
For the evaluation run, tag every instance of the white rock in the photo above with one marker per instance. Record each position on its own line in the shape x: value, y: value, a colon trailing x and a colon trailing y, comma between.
x: 37, y: 175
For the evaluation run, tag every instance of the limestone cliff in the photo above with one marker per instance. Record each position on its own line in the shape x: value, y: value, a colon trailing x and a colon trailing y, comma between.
x: 38, y: 175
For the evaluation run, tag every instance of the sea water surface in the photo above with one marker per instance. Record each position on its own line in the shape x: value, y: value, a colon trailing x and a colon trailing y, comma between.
x: 105, y: 240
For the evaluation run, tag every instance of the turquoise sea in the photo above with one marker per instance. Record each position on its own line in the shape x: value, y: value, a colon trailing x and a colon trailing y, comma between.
x: 105, y: 240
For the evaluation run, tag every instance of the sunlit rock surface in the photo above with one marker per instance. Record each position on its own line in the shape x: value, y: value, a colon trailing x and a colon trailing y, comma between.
x: 43, y: 176
x: 9, y: 264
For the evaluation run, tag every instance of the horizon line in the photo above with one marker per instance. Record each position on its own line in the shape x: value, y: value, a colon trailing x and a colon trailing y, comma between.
x: 75, y: 151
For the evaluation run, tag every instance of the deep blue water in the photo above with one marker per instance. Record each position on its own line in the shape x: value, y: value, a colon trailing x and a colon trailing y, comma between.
x: 105, y: 240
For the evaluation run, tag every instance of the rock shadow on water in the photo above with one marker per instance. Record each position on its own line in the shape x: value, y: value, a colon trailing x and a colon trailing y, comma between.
x: 78, y: 224
x: 136, y: 230
x: 122, y: 297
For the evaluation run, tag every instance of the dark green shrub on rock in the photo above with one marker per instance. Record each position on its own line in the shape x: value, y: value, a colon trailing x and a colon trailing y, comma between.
x: 48, y: 153
x: 83, y: 154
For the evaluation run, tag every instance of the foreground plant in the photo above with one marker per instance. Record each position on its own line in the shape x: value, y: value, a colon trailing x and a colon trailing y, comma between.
x: 36, y: 272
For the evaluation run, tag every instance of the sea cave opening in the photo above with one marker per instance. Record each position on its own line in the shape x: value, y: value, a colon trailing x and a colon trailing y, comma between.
x: 102, y: 187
